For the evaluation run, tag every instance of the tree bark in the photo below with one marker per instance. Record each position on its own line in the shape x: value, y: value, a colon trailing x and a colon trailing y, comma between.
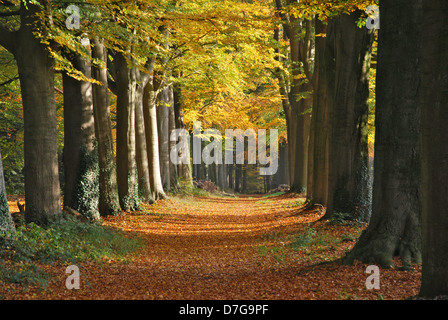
x: 394, y: 228
x: 434, y: 130
x: 108, y: 195
x: 349, y: 48
x: 174, y: 174
x: 163, y: 105
x: 317, y: 190
x: 152, y: 140
x: 298, y: 99
x: 42, y: 188
x: 184, y: 170
x: 141, y: 153
x: 6, y: 222
x: 80, y: 155
x: 126, y: 166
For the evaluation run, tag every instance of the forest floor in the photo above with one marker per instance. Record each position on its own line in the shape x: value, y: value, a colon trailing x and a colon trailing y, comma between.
x: 223, y: 248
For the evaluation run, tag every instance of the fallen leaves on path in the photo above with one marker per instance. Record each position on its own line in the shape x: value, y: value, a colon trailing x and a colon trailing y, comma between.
x: 264, y: 248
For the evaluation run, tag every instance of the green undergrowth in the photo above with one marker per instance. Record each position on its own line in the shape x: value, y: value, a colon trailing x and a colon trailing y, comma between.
x: 186, y: 189
x: 316, y: 243
x: 70, y: 242
x: 274, y: 194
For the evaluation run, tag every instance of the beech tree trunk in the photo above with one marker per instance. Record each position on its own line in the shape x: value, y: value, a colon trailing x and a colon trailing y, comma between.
x: 152, y: 140
x: 141, y: 153
x: 163, y: 105
x: 80, y: 155
x: 36, y: 73
x: 126, y: 163
x: 6, y: 222
x: 434, y: 130
x: 108, y: 195
x: 174, y: 174
x: 298, y: 99
x: 394, y: 228
x: 318, y: 166
x: 348, y: 47
x: 184, y: 170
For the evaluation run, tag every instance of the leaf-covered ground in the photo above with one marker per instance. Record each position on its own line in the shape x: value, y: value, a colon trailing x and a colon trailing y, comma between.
x: 253, y: 247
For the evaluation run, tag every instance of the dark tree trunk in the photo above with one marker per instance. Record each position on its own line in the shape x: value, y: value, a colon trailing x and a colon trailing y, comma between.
x: 36, y: 73
x: 80, y: 156
x: 108, y: 195
x: 348, y: 83
x: 244, y: 179
x: 394, y: 229
x: 6, y: 222
x: 230, y: 171
x: 126, y: 166
x: 283, y: 176
x: 317, y: 190
x: 238, y: 174
x: 434, y: 130
x: 298, y: 100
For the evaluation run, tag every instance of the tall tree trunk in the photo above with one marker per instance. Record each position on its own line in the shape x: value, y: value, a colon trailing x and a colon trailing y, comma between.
x: 244, y: 179
x: 108, y: 195
x: 394, y: 228
x: 434, y: 130
x: 238, y: 174
x: 300, y: 102
x: 126, y: 166
x: 349, y: 47
x: 163, y: 105
x: 6, y: 222
x: 231, y: 181
x: 80, y: 155
x: 141, y: 152
x: 36, y: 73
x: 299, y: 95
x: 174, y: 174
x: 317, y: 191
x: 220, y: 175
x: 184, y: 170
x: 152, y: 140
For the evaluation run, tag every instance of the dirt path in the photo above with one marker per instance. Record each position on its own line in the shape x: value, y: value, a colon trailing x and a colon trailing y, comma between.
x: 230, y: 248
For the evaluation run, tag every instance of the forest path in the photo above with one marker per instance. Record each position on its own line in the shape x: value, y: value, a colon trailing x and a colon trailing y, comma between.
x: 252, y: 247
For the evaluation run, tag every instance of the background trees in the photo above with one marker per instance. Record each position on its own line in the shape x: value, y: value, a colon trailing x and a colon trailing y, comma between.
x: 302, y: 67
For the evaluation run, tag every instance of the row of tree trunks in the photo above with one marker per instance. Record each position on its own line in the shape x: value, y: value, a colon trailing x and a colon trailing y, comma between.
x: 348, y: 51
x: 108, y: 195
x: 80, y: 154
x: 296, y: 94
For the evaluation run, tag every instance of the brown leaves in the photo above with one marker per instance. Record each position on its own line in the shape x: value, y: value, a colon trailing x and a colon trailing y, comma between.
x: 229, y: 248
